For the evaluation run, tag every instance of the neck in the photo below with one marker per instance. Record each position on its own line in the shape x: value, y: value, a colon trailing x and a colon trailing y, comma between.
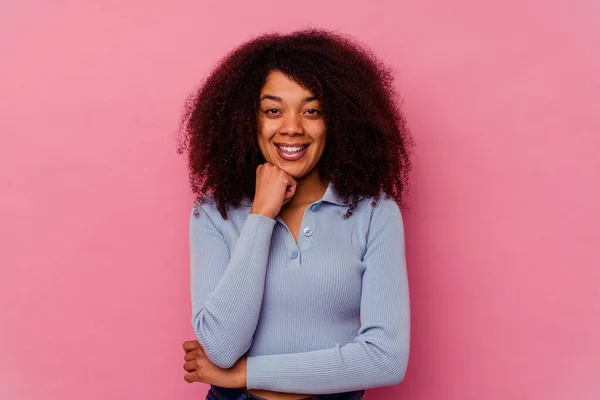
x: 310, y: 188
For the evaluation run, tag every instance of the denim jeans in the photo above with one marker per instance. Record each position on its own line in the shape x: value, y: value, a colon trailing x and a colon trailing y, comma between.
x: 219, y: 393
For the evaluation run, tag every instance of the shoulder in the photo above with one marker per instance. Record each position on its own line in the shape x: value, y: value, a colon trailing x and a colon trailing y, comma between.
x: 380, y: 206
x: 206, y: 206
x: 385, y: 205
x: 377, y: 207
x: 384, y: 212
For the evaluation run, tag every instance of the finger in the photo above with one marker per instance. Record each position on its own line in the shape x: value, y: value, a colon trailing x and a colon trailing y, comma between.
x: 290, y: 190
x: 194, y: 354
x: 190, y: 345
x: 292, y: 186
x: 191, y: 377
x: 190, y: 366
x: 190, y: 355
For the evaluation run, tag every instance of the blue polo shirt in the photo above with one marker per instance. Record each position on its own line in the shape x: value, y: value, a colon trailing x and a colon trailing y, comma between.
x: 326, y: 314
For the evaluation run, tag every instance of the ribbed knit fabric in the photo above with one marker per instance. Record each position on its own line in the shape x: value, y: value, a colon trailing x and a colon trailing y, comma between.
x: 327, y: 314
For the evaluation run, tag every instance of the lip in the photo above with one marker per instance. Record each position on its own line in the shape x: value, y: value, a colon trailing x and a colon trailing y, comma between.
x: 291, y: 144
x: 291, y: 157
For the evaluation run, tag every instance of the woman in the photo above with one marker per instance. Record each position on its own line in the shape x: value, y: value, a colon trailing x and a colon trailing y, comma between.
x: 299, y: 157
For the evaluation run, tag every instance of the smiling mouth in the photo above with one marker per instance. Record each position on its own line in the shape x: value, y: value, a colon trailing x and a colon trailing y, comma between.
x: 291, y: 153
x: 291, y: 149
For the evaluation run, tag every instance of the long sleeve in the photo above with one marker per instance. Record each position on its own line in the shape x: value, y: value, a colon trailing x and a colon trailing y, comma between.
x: 379, y: 354
x: 227, y: 286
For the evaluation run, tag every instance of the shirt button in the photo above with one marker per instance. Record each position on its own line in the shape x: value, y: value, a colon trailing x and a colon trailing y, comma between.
x: 307, y: 232
x: 314, y: 207
x: 294, y: 255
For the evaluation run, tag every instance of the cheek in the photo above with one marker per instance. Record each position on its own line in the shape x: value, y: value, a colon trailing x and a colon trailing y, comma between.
x: 262, y: 132
x: 264, y: 142
x: 265, y: 129
x: 322, y: 138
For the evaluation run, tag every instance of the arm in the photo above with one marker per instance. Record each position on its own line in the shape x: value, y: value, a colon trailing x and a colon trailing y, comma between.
x: 227, y: 287
x: 379, y: 354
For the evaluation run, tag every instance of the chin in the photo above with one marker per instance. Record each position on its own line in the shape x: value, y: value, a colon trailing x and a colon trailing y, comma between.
x: 295, y: 169
x: 294, y: 173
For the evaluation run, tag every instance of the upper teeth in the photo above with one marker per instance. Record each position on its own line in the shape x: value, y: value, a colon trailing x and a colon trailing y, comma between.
x: 292, y: 149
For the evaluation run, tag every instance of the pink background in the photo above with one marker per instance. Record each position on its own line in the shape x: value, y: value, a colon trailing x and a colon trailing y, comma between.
x: 502, y: 236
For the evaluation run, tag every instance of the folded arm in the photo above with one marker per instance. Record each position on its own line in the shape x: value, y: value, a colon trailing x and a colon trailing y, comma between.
x: 227, y: 286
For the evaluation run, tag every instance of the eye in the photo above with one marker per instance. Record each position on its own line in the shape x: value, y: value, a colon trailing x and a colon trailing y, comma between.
x: 271, y: 111
x: 313, y: 111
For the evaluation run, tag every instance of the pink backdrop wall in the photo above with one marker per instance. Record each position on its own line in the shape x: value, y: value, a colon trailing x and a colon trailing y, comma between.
x: 502, y: 238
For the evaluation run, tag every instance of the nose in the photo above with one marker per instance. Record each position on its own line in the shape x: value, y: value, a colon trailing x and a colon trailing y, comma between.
x: 291, y: 124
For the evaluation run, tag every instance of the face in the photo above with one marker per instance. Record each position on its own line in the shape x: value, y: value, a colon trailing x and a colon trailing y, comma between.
x: 291, y: 126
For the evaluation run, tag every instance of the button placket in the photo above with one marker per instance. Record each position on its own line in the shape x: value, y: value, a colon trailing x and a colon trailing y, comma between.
x: 293, y: 255
x: 307, y: 227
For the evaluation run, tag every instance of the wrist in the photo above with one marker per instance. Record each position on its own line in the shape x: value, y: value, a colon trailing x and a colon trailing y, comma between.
x: 263, y: 213
x: 241, y: 372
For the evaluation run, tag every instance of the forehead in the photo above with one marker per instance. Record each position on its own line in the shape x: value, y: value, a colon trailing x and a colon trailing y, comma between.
x: 279, y: 83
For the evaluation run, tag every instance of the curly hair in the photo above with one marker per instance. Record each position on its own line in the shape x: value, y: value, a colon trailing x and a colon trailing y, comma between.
x: 368, y: 143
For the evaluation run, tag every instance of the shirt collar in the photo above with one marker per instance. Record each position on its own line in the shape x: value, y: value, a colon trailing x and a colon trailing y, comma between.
x: 332, y: 196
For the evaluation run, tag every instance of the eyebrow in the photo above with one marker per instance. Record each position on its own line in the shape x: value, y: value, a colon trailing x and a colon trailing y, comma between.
x: 280, y: 100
